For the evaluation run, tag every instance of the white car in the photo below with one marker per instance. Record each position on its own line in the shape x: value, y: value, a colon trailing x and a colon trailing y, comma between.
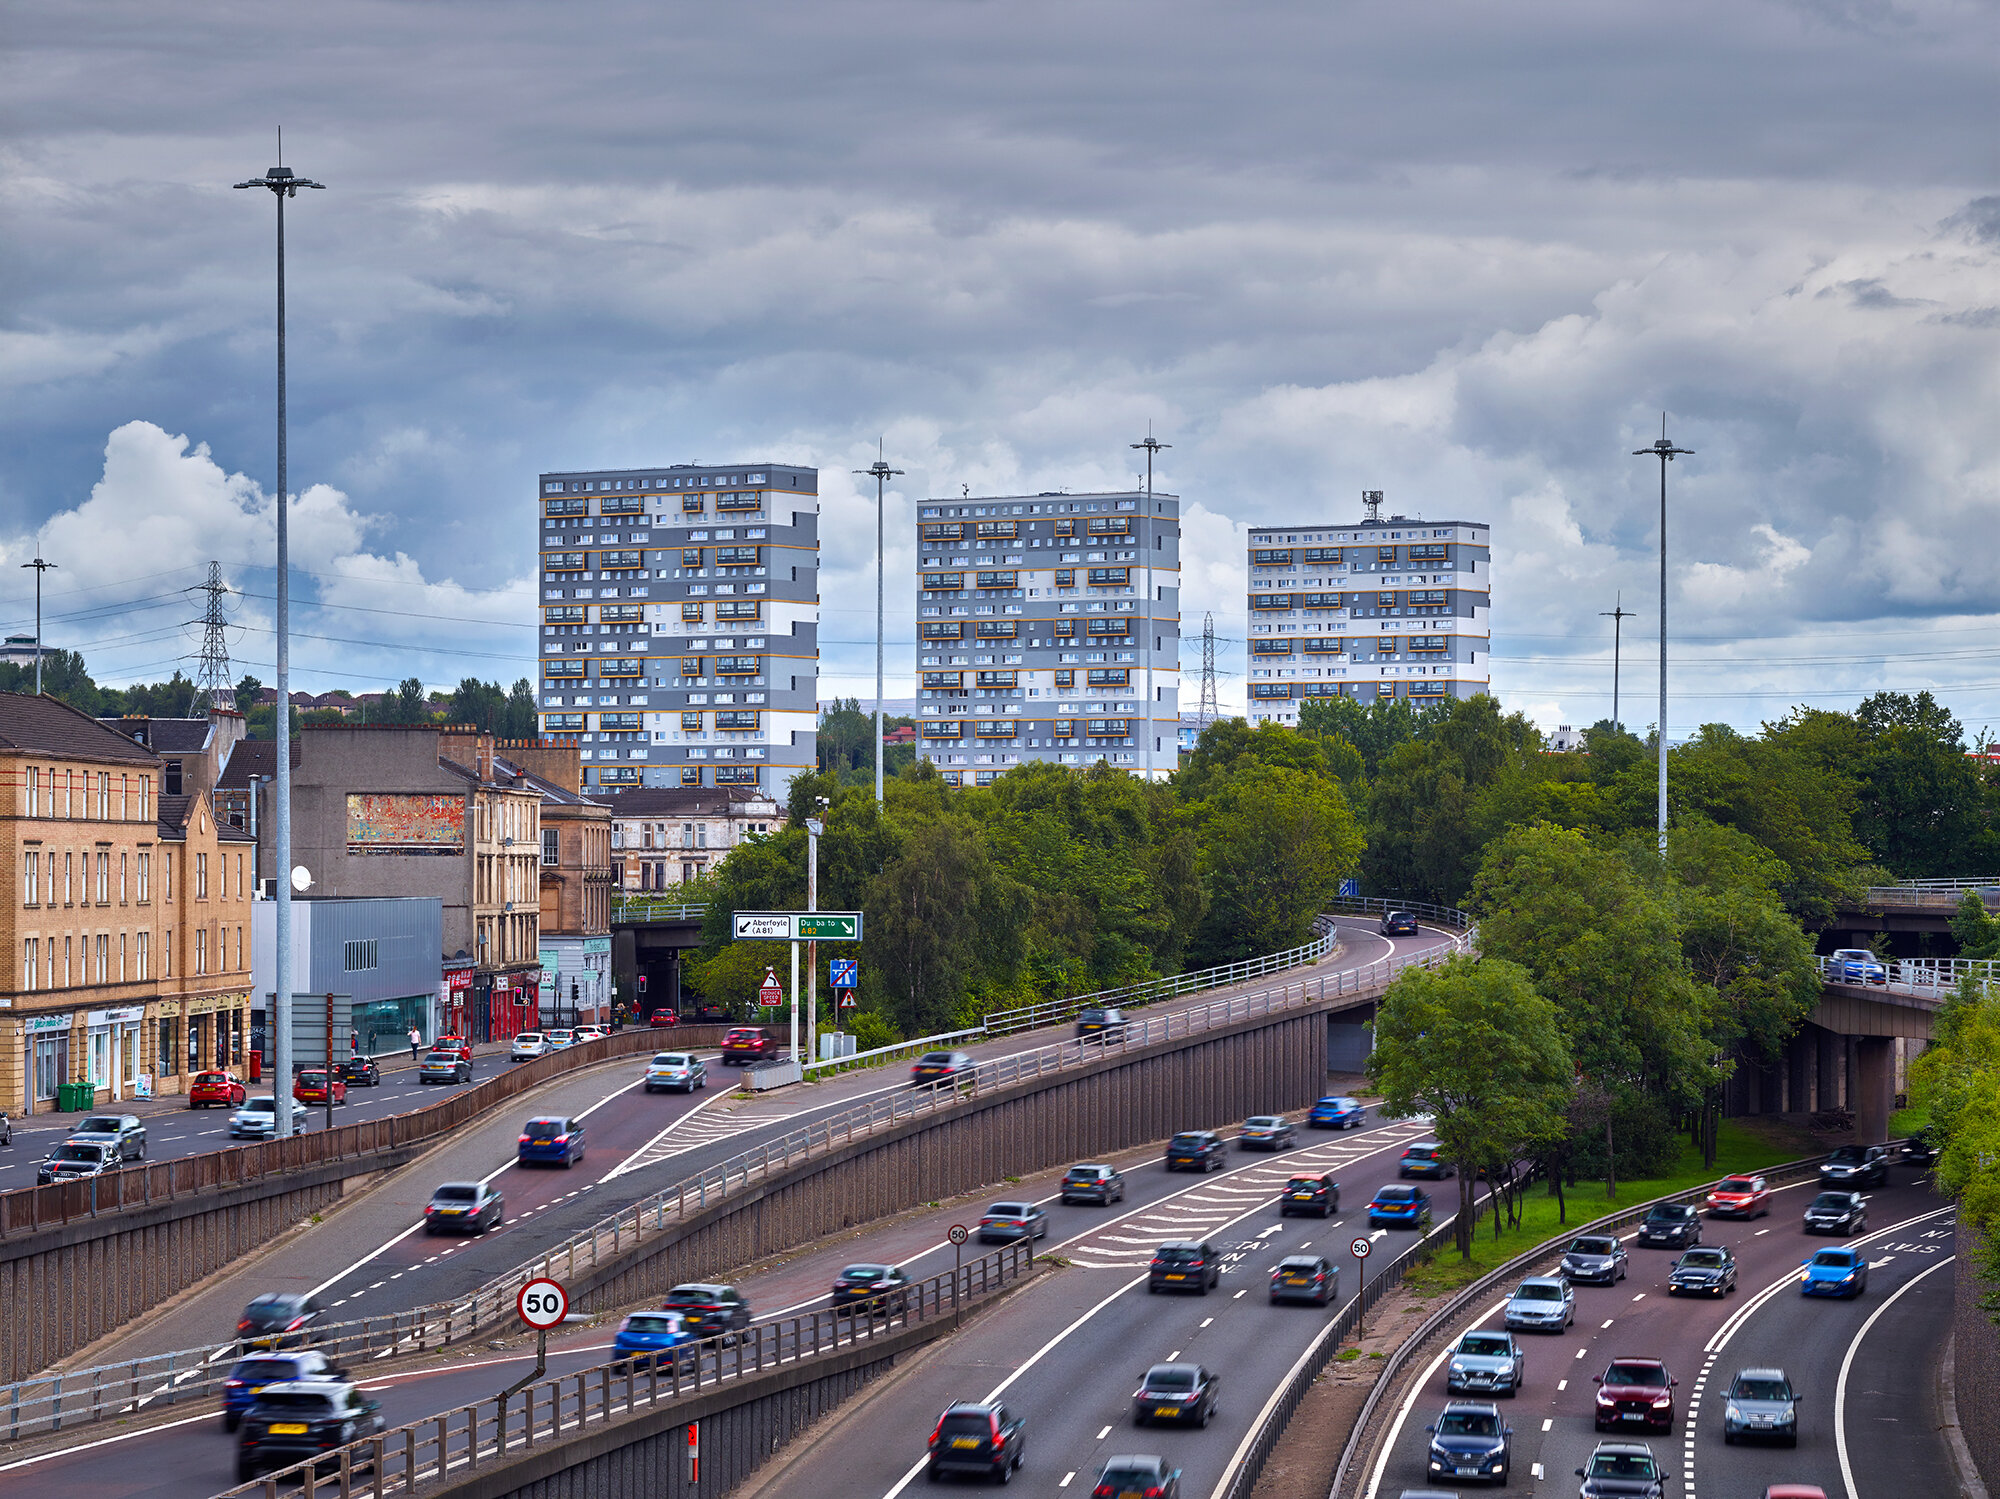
x: 676, y: 1071
x: 591, y: 1033
x: 528, y: 1045
x: 559, y: 1040
x: 257, y: 1119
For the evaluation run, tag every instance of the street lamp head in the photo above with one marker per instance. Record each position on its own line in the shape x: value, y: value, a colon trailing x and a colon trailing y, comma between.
x: 281, y: 181
x: 879, y: 470
x: 1665, y: 451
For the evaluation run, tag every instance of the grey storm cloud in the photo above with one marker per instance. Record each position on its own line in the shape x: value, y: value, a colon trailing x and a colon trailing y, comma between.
x: 1459, y: 252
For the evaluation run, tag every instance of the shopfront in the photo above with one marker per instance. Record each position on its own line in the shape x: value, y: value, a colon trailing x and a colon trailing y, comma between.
x: 48, y: 1044
x: 111, y: 1048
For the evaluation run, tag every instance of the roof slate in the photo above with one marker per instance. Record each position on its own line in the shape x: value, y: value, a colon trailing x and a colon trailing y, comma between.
x: 46, y: 726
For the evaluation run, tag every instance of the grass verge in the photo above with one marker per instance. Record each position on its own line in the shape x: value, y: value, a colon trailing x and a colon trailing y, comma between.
x: 1908, y: 1122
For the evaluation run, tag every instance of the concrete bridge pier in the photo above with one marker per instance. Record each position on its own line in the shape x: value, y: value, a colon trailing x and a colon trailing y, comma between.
x: 1875, y: 1093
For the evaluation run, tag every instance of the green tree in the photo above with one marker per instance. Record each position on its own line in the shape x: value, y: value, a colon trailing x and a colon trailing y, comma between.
x: 1274, y: 845
x: 938, y: 917
x: 1375, y: 730
x: 65, y: 677
x: 1978, y: 934
x: 1958, y: 1079
x: 1473, y: 1045
x: 1228, y: 744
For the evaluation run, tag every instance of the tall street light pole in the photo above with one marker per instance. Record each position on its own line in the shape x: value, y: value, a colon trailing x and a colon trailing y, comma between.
x: 40, y: 567
x: 1666, y: 452
x: 883, y: 473
x: 1617, y: 616
x: 282, y: 185
x: 1149, y: 539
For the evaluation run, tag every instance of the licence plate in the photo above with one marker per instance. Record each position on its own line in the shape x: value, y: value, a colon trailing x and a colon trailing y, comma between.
x: 1176, y: 1277
x: 288, y: 1429
x: 1465, y: 1472
x: 1633, y: 1416
x: 1166, y: 1410
x: 1297, y: 1280
x: 1128, y: 1494
x: 965, y: 1443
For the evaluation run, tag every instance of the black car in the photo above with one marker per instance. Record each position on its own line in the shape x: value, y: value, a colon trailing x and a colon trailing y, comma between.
x: 1309, y: 1192
x: 1099, y: 1184
x: 278, y: 1319
x: 304, y: 1418
x: 1594, y: 1259
x: 1305, y: 1277
x: 1469, y: 1440
x: 1196, y: 1150
x: 1856, y: 1166
x: 1184, y: 1265
x: 1837, y: 1213
x: 709, y: 1015
x: 248, y: 1378
x: 122, y: 1130
x: 1138, y: 1474
x: 708, y: 1309
x: 1399, y: 923
x: 75, y: 1159
x: 1919, y: 1150
x: 878, y: 1289
x: 1623, y: 1470
x: 1180, y: 1393
x: 1671, y: 1225
x: 1108, y: 1025
x: 464, y: 1208
x: 359, y: 1072
x: 979, y: 1437
x: 1709, y: 1270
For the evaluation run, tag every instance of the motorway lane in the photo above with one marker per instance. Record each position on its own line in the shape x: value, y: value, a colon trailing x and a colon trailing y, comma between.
x: 1703, y: 1344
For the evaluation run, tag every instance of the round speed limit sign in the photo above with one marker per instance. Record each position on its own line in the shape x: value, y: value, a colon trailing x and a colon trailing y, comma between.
x: 542, y: 1304
x: 1360, y: 1248
x: 958, y: 1234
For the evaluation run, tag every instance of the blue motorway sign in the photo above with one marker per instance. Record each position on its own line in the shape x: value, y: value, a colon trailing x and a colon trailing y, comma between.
x: 1350, y: 888
x: 846, y: 973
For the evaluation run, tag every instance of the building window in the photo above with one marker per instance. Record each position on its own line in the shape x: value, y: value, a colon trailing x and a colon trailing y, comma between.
x: 551, y: 847
x: 200, y: 950
x: 104, y: 879
x: 145, y: 876
x: 31, y: 878
x: 31, y: 957
x: 142, y: 952
x: 201, y: 876
x: 359, y: 956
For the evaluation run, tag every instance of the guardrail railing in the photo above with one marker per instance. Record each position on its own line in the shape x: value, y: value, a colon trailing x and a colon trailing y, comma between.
x: 1921, y: 978
x: 1944, y: 894
x: 644, y: 908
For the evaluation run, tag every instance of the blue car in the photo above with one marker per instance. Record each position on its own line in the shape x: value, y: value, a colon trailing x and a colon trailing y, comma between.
x: 556, y: 1140
x: 644, y: 1336
x: 1834, y: 1272
x: 1337, y: 1113
x: 1856, y: 965
x: 243, y: 1382
x: 1399, y: 1207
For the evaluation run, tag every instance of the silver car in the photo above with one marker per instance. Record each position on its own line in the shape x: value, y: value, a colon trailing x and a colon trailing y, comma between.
x: 527, y: 1046
x: 1761, y: 1403
x: 257, y: 1119
x: 676, y: 1071
x: 124, y: 1131
x: 1541, y: 1303
x: 1485, y: 1362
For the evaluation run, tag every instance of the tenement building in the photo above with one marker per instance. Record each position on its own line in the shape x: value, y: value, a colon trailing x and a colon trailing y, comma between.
x: 680, y: 623
x: 1048, y: 628
x: 1370, y: 609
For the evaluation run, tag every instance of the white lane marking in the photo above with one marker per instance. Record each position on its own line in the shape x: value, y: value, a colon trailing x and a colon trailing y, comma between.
x: 1240, y: 1294
x: 1175, y: 1355
x: 1409, y: 1404
x: 1561, y: 1385
x: 1607, y: 1323
x: 1104, y: 1433
x: 1206, y: 1320
x: 1640, y: 1297
x: 1840, y: 1385
x: 1581, y: 1352
x: 1547, y: 1422
x: 1535, y: 1469
x: 1066, y: 1478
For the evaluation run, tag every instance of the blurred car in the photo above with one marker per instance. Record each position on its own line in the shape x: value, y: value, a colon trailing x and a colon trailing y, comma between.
x: 1794, y: 1491
x: 1594, y: 1259
x: 1739, y: 1197
x: 312, y: 1085
x: 1399, y: 1207
x: 1184, y: 1265
x: 1181, y: 1393
x: 709, y: 1309
x: 1195, y: 1150
x: 248, y: 1377
x: 1099, y: 1184
x: 123, y: 1132
x: 1761, y: 1403
x: 457, y: 1045
x: 1856, y: 1166
x: 463, y: 1208
x: 1921, y: 1148
x: 710, y: 1015
x: 1837, y: 1213
x: 278, y: 1319
x: 880, y: 1289
x: 359, y: 1072
x: 749, y: 1043
x: 1310, y: 1192
x: 1856, y: 965
x: 940, y: 1067
x: 445, y: 1067
x: 1305, y: 1277
x: 210, y: 1088
x: 291, y: 1422
x: 676, y: 1071
x: 1108, y: 1025
x: 1670, y: 1225
x: 1426, y: 1159
x: 1137, y: 1475
x: 1004, y: 1222
x: 662, y: 1019
x: 1541, y: 1303
x: 257, y: 1119
x: 554, y: 1139
x: 644, y: 1336
x: 591, y: 1032
x: 527, y: 1046
x: 980, y: 1437
x: 1399, y: 924
x: 558, y: 1040
x: 1469, y: 1440
x: 1266, y: 1132
x: 74, y: 1160
x: 6, y: 1129
x: 1834, y: 1272
x: 1623, y: 1470
x: 1485, y: 1362
x: 1635, y: 1392
x: 1708, y: 1270
x: 1337, y: 1112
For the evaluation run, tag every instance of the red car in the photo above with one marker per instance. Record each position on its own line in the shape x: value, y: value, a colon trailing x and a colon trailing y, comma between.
x: 310, y: 1087
x: 748, y: 1043
x: 215, y: 1087
x: 1739, y: 1197
x: 660, y: 1018
x: 1635, y: 1392
x: 458, y: 1046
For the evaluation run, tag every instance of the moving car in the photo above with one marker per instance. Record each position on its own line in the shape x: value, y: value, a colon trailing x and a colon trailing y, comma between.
x: 1708, y: 1270
x: 457, y: 1045
x: 1195, y: 1150
x: 1623, y: 1470
x: 1921, y: 1148
x: 291, y: 1422
x: 1004, y: 1222
x: 591, y: 1032
x: 248, y: 1378
x: 1337, y: 1112
x: 75, y: 1159
x: 278, y: 1319
x: 463, y: 1207
x: 558, y: 1040
x: 1108, y: 1025
x: 1469, y: 1440
x: 1595, y: 1259
x: 311, y: 1086
x: 879, y: 1289
x: 1306, y: 1192
x: 1425, y: 1158
x: 1671, y: 1225
x: 644, y: 1336
x: 1636, y: 1392
x: 1305, y: 1277
x: 1834, y: 1272
x: 1856, y: 1166
x: 749, y: 1043
x: 662, y: 1019
x: 123, y: 1132
x: 1399, y: 1207
x: 1486, y: 1362
x: 1399, y: 923
x: 1137, y: 1475
x: 708, y: 1309
x: 527, y: 1046
x: 1184, y: 1265
x: 553, y: 1138
x: 211, y: 1088
x: 676, y: 1071
x: 1099, y: 1184
x: 445, y: 1067
x: 1837, y: 1213
x: 710, y: 1015
x: 981, y: 1437
x: 1181, y: 1393
x: 257, y: 1119
x: 1856, y: 965
x: 1541, y: 1303
x: 1739, y: 1197
x: 1266, y: 1132
x: 359, y: 1072
x: 939, y: 1066
x: 1761, y: 1403
x: 6, y: 1129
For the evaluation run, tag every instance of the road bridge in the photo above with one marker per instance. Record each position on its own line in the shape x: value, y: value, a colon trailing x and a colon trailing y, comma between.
x: 1907, y: 909
x: 649, y: 940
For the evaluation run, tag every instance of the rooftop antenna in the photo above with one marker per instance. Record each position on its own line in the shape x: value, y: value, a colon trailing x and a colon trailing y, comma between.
x: 211, y: 686
x: 1372, y: 498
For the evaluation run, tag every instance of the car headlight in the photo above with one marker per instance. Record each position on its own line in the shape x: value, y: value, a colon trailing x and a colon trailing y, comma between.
x: 1662, y: 1400
x: 1731, y: 1413
x: 1457, y: 1367
x: 1604, y: 1397
x: 1848, y: 1276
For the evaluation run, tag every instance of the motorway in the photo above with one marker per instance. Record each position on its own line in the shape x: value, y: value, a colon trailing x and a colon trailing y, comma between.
x: 1868, y: 1424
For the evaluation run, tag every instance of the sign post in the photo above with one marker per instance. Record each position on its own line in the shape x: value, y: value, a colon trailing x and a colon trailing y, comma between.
x: 1360, y: 1247
x: 814, y: 827
x: 844, y: 975
x: 769, y: 994
x: 958, y: 1236
x: 694, y: 1452
x: 541, y: 1304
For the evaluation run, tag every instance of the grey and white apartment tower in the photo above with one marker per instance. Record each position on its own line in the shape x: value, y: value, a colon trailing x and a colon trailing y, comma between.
x: 1371, y: 609
x: 1038, y: 636
x: 680, y: 623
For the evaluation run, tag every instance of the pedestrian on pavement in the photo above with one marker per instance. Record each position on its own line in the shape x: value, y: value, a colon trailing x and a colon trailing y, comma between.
x: 414, y: 1039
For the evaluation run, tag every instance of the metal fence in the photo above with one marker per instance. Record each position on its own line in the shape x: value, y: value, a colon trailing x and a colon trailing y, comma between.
x: 397, y: 1461
x: 1941, y: 895
x: 643, y: 908
x: 1920, y: 978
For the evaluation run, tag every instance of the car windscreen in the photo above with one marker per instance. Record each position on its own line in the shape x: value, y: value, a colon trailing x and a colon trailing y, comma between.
x: 211, y: 1079
x: 1672, y: 1212
x: 455, y: 1194
x: 1621, y: 1465
x: 1185, y: 1142
x: 1086, y: 1173
x: 1089, y: 1014
x: 935, y: 1059
x: 1169, y: 1379
x: 297, y: 1400
x: 1538, y: 1293
x: 1468, y: 1424
x: 1702, y: 1259
x: 695, y: 1293
x: 864, y: 1272
x: 99, y: 1124
x: 252, y: 1370
x: 642, y: 1322
x: 1832, y: 1202
x: 1397, y: 1194
x: 259, y: 1106
x: 1594, y: 1246
x: 1421, y: 1152
x: 1298, y: 1183
x: 1840, y: 1259
x: 68, y: 1151
x: 1651, y: 1376
x: 1736, y: 1184
x: 529, y: 1036
x: 1179, y: 1254
x: 544, y: 1129
x: 1846, y: 1155
x: 1488, y: 1345
x: 1760, y: 1389
x: 1124, y: 1478
x: 670, y: 1059
x: 1299, y: 1262
x: 1263, y: 1121
x: 441, y: 1059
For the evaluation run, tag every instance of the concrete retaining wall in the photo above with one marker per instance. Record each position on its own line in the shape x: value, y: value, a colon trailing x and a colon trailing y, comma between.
x: 1976, y: 1365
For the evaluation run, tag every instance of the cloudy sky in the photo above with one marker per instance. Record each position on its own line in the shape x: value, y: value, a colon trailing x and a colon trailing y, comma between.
x: 1462, y: 253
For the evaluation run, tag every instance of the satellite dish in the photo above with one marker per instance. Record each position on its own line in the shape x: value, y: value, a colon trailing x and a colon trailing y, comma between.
x: 301, y: 878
